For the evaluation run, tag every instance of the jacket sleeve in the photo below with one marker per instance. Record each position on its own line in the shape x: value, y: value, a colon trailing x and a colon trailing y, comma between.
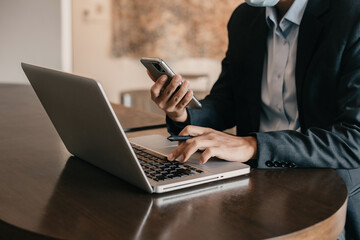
x: 337, y: 146
x: 217, y: 110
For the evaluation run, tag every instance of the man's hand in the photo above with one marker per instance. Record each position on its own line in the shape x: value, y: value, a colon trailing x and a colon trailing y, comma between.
x: 215, y: 144
x: 173, y: 103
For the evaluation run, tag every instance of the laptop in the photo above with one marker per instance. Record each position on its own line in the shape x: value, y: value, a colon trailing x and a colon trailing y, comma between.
x: 85, y: 121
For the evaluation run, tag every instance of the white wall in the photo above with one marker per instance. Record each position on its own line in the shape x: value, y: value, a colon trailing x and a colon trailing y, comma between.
x: 92, y: 53
x: 30, y: 31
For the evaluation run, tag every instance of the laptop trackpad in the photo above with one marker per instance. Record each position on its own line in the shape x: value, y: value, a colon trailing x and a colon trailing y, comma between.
x: 156, y: 143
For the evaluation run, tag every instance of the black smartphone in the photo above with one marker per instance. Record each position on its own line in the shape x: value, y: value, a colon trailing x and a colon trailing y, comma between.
x: 158, y: 67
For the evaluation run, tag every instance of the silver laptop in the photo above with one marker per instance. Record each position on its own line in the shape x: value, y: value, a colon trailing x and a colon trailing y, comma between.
x: 90, y: 130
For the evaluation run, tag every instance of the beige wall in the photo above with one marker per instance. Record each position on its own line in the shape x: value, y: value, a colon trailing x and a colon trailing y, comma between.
x: 92, y: 53
x: 30, y: 31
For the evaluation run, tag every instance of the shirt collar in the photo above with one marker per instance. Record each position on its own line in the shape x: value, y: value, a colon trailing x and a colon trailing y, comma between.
x: 294, y: 14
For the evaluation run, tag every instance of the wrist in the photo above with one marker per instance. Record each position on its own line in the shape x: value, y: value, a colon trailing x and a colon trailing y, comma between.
x: 252, y: 141
x: 181, y: 118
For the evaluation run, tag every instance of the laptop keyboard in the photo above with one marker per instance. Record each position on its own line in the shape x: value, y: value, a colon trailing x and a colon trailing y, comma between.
x: 159, y: 169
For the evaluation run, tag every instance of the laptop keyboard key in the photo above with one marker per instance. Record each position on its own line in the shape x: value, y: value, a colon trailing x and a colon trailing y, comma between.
x: 159, y: 168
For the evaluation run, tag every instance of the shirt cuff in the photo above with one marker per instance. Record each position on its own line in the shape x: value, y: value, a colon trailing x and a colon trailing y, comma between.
x: 174, y: 128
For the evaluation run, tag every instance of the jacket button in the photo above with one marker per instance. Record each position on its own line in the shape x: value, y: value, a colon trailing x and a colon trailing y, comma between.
x: 269, y: 163
x: 283, y: 165
x: 277, y: 164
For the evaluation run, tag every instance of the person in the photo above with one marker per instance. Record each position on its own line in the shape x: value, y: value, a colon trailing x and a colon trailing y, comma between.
x: 290, y: 83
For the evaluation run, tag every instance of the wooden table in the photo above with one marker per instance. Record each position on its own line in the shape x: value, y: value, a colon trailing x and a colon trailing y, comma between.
x: 46, y: 193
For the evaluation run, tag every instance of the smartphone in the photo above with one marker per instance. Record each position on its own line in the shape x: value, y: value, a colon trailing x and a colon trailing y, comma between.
x: 158, y: 67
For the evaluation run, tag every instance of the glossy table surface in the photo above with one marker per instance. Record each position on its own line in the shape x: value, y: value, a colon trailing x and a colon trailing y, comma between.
x: 47, y: 193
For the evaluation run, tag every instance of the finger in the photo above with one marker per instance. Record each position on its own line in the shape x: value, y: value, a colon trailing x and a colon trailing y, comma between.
x: 209, y: 153
x: 182, y: 153
x: 185, y: 101
x: 180, y: 94
x: 151, y: 76
x: 158, y: 85
x: 186, y: 150
x: 192, y: 130
x: 170, y: 89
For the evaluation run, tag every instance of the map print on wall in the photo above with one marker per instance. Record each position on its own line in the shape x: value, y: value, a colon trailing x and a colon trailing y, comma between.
x: 171, y: 28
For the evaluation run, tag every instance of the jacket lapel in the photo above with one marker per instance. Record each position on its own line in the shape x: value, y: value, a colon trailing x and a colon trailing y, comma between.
x: 256, y: 56
x: 309, y: 33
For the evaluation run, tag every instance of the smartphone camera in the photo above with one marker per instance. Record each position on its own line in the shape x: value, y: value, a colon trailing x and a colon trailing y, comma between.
x: 158, y: 67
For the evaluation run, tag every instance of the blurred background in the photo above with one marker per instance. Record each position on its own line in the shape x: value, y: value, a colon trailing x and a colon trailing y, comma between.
x: 104, y: 40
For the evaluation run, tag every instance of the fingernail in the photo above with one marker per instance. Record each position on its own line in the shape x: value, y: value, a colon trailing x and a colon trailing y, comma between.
x: 186, y: 83
x: 181, y: 158
x: 177, y: 78
x: 163, y: 78
x: 170, y: 157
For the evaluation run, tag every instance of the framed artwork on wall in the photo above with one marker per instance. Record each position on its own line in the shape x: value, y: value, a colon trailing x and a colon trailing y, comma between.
x: 171, y: 29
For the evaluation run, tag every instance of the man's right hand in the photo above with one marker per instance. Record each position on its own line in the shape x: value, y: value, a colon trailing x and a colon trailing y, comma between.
x: 165, y: 97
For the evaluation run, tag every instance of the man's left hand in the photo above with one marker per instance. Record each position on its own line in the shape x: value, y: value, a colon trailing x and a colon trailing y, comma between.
x: 215, y: 144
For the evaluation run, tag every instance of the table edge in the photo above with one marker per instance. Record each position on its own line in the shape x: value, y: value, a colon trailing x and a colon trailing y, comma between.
x: 328, y: 228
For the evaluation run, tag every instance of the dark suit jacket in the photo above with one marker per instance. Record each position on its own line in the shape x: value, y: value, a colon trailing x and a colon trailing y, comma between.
x: 327, y: 86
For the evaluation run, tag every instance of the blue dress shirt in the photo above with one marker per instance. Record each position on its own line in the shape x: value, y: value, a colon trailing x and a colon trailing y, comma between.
x: 279, y: 109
